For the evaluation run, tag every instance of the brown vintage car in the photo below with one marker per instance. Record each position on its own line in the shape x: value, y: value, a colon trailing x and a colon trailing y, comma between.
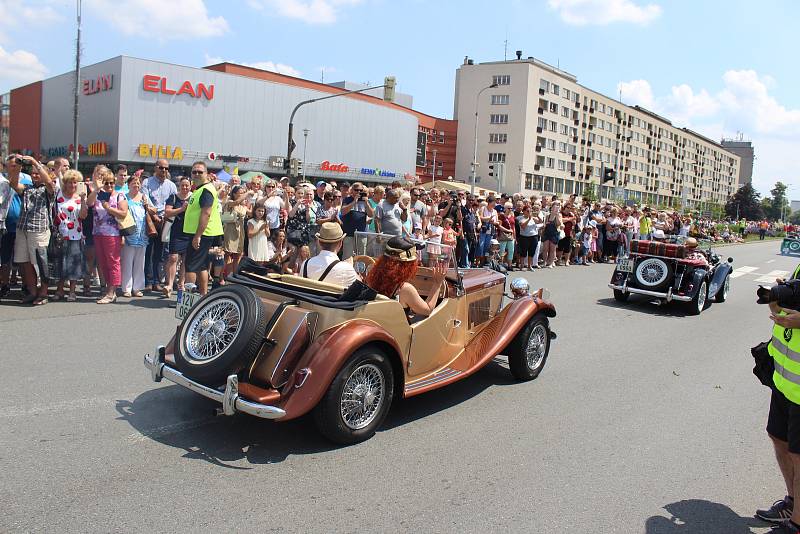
x: 280, y: 346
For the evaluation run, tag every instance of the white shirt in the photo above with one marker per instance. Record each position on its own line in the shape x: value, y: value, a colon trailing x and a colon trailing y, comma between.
x: 342, y: 274
x: 273, y: 206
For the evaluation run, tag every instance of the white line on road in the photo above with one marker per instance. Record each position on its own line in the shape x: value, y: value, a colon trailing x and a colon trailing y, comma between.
x: 743, y: 270
x: 770, y: 277
x: 770, y: 261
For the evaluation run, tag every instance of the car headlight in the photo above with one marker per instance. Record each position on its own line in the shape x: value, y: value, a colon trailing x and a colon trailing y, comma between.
x: 520, y: 287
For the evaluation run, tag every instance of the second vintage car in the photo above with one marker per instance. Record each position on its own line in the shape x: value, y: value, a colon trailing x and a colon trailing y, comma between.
x: 280, y: 346
x: 673, y: 271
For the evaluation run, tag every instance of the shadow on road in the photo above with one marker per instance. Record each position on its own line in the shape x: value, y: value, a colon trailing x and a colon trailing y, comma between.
x: 176, y: 417
x: 696, y: 516
x: 647, y: 305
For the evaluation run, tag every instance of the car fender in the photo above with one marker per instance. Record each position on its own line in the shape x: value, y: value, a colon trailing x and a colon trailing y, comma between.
x: 698, y: 275
x: 723, y: 270
x: 509, y: 323
x: 325, y: 357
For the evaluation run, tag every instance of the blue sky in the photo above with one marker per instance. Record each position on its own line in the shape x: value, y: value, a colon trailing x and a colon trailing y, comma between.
x: 717, y: 67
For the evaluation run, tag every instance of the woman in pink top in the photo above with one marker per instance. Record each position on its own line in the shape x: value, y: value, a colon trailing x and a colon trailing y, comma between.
x: 108, y: 205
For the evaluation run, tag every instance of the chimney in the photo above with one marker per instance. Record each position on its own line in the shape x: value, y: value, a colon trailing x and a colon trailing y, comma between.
x: 519, y: 55
x: 466, y: 60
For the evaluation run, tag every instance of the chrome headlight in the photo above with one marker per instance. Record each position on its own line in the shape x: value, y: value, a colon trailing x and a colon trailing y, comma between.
x: 520, y: 287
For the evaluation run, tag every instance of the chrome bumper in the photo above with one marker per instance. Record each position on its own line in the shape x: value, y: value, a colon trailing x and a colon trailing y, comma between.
x: 230, y: 400
x: 668, y: 295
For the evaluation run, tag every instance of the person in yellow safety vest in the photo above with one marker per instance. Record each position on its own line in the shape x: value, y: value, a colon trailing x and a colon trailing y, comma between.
x: 202, y: 220
x: 783, y: 425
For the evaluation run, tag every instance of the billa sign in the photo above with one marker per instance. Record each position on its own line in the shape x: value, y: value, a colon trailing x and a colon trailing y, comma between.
x: 333, y: 167
x: 160, y: 152
x: 104, y: 82
x: 159, y: 84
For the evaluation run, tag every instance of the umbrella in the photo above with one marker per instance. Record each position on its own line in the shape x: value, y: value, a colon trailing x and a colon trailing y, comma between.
x: 246, y: 177
x: 223, y: 176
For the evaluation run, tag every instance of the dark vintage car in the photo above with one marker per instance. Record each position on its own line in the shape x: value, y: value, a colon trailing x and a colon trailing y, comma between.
x: 281, y: 346
x: 672, y: 272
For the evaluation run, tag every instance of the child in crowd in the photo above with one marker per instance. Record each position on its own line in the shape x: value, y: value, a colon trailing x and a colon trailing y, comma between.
x: 449, y: 235
x: 258, y: 235
x: 434, y: 235
x: 585, y: 239
x: 303, y: 254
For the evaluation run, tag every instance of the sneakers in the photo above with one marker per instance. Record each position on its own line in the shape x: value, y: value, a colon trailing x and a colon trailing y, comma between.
x: 787, y: 527
x: 779, y: 512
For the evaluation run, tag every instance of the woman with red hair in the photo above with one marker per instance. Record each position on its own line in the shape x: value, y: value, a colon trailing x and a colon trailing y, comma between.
x: 391, y: 274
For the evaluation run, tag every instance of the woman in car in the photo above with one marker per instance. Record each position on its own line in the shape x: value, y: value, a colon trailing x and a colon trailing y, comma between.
x: 392, y: 273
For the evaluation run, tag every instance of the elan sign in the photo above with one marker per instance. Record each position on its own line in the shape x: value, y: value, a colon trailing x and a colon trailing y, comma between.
x: 104, y: 82
x: 159, y: 84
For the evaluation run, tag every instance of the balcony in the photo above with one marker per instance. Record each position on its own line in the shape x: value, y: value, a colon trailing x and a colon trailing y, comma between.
x: 591, y: 126
x: 575, y: 139
x: 541, y: 91
x: 585, y: 108
x: 538, y: 148
x: 538, y: 129
x: 577, y: 104
x: 540, y: 111
x: 577, y: 122
x: 574, y: 156
x: 572, y: 173
x: 536, y: 167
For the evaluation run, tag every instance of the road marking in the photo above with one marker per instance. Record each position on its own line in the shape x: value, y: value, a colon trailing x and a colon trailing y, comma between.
x: 770, y: 277
x: 743, y: 270
x: 770, y: 261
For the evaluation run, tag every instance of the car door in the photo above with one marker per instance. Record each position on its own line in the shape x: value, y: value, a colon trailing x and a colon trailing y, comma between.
x: 438, y: 339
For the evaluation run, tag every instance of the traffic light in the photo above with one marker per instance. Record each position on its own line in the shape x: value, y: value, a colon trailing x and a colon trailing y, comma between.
x: 492, y: 170
x: 294, y: 167
x: 388, y: 88
x: 609, y: 174
x: 497, y: 171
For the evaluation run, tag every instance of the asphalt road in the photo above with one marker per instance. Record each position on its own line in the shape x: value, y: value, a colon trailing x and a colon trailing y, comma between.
x: 643, y: 421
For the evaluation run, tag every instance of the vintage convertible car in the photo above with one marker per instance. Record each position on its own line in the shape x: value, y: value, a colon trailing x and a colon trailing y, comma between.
x: 671, y: 271
x: 280, y: 346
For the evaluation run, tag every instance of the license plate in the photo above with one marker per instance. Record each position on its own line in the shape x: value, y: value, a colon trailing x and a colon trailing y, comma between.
x: 625, y: 265
x: 185, y: 303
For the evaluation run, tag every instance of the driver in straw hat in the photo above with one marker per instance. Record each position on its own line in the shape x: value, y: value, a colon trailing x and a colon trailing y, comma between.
x: 326, y: 266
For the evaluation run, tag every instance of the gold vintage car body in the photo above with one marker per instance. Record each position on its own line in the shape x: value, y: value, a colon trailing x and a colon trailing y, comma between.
x: 310, y: 336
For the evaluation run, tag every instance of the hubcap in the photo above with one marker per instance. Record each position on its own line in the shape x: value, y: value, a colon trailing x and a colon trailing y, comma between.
x: 537, y: 345
x: 362, y: 396
x: 213, y: 329
x: 701, y: 297
x: 652, y: 272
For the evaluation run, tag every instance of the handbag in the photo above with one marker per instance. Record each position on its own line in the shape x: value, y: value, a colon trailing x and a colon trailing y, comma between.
x: 166, y: 230
x: 765, y: 365
x: 228, y: 217
x: 55, y: 246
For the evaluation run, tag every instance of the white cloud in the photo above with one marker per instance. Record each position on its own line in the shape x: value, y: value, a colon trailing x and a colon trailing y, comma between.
x: 20, y: 66
x: 309, y: 11
x: 160, y: 19
x: 280, y: 68
x: 746, y: 97
x: 38, y: 11
x: 636, y: 93
x: 602, y: 12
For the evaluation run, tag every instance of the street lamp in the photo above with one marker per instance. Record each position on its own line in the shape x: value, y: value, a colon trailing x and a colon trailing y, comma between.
x: 475, y: 150
x: 305, y: 145
x: 434, y: 165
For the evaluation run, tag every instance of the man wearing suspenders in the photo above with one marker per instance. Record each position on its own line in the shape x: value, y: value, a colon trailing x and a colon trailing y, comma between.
x: 326, y: 266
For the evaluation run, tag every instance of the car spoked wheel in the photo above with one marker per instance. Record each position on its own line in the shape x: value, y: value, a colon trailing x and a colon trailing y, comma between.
x: 722, y: 294
x: 358, y: 399
x: 362, y: 396
x: 528, y: 352
x: 213, y: 330
x: 698, y: 303
x: 652, y: 273
x: 220, y: 335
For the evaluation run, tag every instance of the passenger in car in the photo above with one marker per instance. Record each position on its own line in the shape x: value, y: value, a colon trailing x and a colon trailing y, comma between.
x: 392, y: 273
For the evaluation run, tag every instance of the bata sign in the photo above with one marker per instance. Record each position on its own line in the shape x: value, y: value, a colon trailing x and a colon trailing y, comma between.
x: 335, y: 167
x: 104, y: 82
x: 158, y: 84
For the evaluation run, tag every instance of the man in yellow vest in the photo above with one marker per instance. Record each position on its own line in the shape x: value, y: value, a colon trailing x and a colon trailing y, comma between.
x: 202, y: 220
x: 783, y: 425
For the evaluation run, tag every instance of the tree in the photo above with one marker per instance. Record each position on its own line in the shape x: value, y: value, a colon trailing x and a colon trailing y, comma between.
x: 779, y: 204
x: 795, y: 218
x: 745, y: 203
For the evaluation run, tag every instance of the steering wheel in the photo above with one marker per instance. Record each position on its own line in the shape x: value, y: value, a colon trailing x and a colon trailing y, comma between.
x: 368, y: 261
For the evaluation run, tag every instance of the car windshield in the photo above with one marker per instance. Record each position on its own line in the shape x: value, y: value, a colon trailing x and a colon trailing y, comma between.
x: 429, y: 253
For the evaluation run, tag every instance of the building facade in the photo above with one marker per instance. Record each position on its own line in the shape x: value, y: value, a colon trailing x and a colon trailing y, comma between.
x: 552, y: 135
x: 743, y: 149
x: 134, y: 111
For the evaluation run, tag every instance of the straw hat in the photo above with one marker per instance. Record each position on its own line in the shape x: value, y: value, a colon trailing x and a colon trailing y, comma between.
x: 330, y: 232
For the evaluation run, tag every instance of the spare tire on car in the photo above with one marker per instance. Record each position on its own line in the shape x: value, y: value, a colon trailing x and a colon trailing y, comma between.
x: 221, y: 335
x: 653, y: 273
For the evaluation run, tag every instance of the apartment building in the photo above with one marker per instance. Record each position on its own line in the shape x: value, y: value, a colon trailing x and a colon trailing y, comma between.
x: 743, y: 149
x: 552, y: 135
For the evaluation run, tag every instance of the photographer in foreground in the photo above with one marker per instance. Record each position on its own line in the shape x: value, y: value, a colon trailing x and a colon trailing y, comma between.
x: 783, y: 425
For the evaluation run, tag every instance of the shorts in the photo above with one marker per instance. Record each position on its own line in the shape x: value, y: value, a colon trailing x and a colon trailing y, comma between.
x: 7, y: 248
x: 784, y: 420
x: 28, y: 246
x: 178, y: 245
x: 198, y: 260
x: 565, y: 245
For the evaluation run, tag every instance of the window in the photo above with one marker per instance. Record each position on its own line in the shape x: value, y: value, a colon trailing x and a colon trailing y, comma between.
x: 564, y: 129
x: 562, y: 165
x: 548, y: 184
x: 497, y: 157
x: 553, y: 107
x: 552, y: 126
x: 565, y: 111
x: 498, y: 137
x: 567, y: 94
x: 542, y: 123
x: 562, y: 147
x: 502, y: 79
x: 559, y: 185
x: 545, y: 85
x: 551, y: 144
x: 498, y: 119
x: 551, y: 163
x: 500, y: 100
x: 556, y: 89
x: 528, y: 181
x: 441, y: 139
x: 538, y: 182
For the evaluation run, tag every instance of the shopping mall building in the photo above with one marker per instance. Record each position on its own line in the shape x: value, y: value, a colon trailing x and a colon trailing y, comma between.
x: 135, y: 111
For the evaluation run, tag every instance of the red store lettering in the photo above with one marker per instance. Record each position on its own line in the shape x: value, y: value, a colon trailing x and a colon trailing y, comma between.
x: 157, y: 84
x: 338, y: 167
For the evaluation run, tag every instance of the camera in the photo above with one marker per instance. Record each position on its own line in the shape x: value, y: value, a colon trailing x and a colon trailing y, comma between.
x: 19, y: 161
x: 362, y: 194
x: 786, y: 294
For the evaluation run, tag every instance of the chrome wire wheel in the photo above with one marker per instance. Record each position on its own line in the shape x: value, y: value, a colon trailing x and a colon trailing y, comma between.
x: 362, y: 396
x: 536, y: 348
x: 701, y: 297
x: 213, y: 329
x: 726, y: 287
x: 652, y: 272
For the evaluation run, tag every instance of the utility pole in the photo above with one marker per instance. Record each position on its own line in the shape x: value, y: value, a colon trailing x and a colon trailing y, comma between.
x: 75, y: 151
x: 305, y: 145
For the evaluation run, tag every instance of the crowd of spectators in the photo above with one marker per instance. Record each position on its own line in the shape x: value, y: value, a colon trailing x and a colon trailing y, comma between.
x: 115, y: 234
